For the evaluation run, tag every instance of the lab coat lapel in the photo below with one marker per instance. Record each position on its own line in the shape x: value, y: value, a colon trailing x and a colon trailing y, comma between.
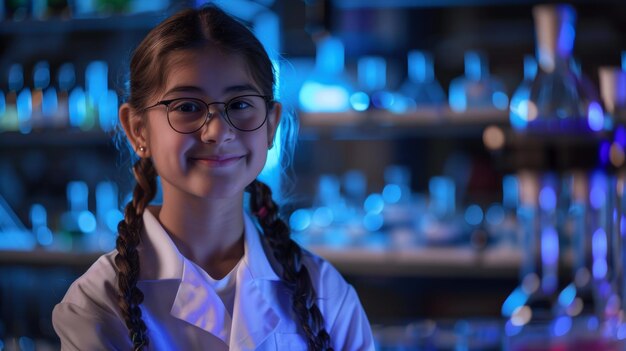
x: 199, y: 305
x: 254, y: 318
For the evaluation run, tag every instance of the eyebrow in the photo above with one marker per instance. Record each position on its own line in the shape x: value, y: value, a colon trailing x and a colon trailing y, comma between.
x: 194, y: 89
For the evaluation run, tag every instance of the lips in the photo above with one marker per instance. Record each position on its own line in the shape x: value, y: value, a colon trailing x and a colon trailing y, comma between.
x: 217, y: 160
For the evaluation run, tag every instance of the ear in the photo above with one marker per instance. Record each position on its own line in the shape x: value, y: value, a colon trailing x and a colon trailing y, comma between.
x: 134, y: 127
x: 273, y: 119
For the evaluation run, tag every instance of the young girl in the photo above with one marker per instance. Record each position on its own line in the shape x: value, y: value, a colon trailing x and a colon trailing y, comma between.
x: 198, y: 272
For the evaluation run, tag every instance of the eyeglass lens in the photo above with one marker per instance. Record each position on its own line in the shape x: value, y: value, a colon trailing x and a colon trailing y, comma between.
x: 244, y: 113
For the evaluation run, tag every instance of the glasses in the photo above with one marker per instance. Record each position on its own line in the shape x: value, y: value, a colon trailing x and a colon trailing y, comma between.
x: 246, y: 113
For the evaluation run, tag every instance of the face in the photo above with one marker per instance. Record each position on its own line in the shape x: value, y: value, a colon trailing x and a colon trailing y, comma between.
x: 217, y: 161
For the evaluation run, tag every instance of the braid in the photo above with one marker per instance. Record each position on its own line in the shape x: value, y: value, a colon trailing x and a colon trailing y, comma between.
x: 127, y: 258
x: 295, y: 274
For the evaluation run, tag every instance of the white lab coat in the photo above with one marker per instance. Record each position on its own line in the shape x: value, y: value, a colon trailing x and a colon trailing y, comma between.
x: 183, y: 312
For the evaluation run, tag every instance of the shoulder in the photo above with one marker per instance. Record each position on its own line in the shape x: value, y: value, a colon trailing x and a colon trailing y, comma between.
x: 327, y: 280
x: 96, y: 288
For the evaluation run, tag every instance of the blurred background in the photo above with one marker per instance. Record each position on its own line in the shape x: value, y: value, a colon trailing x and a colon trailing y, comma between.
x: 459, y: 161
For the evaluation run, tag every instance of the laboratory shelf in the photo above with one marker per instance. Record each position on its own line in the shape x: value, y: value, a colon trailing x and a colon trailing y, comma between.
x: 426, y: 261
x: 116, y: 23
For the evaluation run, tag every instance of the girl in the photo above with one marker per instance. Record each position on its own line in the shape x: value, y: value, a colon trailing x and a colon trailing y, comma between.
x: 198, y: 272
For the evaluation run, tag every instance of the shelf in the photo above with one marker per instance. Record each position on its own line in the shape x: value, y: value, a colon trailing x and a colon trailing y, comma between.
x: 385, y: 124
x: 427, y: 261
x: 118, y: 23
x: 55, y: 137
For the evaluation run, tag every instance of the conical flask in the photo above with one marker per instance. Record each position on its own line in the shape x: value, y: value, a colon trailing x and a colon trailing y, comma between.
x: 560, y: 101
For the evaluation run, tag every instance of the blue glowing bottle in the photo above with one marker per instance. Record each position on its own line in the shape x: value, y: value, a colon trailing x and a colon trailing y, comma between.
x: 560, y: 100
x: 519, y: 99
x: 532, y: 302
x: 477, y: 90
x: 421, y: 86
x: 17, y: 116
x: 327, y: 89
x: 45, y: 102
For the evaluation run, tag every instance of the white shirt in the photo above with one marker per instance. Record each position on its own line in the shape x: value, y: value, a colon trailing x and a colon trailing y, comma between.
x: 182, y: 311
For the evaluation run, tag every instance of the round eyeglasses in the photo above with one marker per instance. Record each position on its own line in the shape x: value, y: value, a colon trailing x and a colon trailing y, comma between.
x: 246, y: 113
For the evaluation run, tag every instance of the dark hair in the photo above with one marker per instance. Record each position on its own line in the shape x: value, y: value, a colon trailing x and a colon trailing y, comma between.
x: 187, y: 30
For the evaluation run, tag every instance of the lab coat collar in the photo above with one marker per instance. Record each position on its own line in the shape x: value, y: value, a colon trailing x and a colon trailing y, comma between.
x: 253, y: 318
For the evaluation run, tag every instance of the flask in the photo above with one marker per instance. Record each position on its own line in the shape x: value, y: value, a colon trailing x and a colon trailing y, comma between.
x: 560, y: 100
x: 477, y: 89
x: 421, y: 85
x: 327, y: 89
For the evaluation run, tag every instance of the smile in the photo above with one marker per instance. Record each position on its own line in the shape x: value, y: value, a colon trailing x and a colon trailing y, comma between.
x: 217, y: 161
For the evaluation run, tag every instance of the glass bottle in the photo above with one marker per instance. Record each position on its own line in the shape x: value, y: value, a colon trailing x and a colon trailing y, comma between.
x: 519, y: 99
x: 559, y: 98
x: 327, y: 89
x: 421, y: 85
x: 613, y: 93
x: 45, y: 102
x: 66, y: 79
x: 477, y: 89
x: 532, y: 302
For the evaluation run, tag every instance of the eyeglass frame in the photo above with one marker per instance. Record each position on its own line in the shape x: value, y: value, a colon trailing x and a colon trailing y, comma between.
x: 268, y: 101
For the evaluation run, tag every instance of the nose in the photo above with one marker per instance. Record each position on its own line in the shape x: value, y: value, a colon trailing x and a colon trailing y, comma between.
x: 216, y: 129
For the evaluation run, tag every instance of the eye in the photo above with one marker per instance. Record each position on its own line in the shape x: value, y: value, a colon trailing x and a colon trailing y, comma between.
x: 239, y: 104
x: 187, y: 106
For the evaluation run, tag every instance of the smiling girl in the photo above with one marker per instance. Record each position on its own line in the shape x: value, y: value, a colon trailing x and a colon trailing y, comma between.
x: 199, y: 271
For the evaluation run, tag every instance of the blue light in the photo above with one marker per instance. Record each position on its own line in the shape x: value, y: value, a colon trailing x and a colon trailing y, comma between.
x: 599, y: 252
x: 511, y: 330
x: 518, y: 115
x: 567, y: 34
x: 300, y: 220
x: 360, y: 101
x: 597, y: 194
x: 604, y: 152
x: 49, y: 104
x: 323, y: 216
x: 549, y: 246
x: 24, y: 111
x: 374, y: 203
x: 500, y: 100
x: 562, y: 325
x: 77, y: 107
x: 593, y: 323
x: 108, y: 106
x: 595, y: 116
x: 96, y: 80
x: 515, y: 300
x: 77, y: 194
x: 495, y: 214
x: 372, y: 72
x: 38, y: 216
x: 567, y: 296
x: 86, y: 222
x: 44, y: 236
x: 620, y: 136
x: 66, y: 76
x: 473, y: 215
x: 373, y: 222
x: 457, y: 98
x: 547, y: 198
x: 510, y: 191
x: 621, y: 332
x: 442, y: 192
x: 330, y: 57
x: 317, y: 97
x: 112, y: 219
x: 3, y: 104
x: 622, y: 226
x: 392, y: 193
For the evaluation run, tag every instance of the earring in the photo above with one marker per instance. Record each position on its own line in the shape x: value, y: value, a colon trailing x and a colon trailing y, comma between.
x: 142, y: 148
